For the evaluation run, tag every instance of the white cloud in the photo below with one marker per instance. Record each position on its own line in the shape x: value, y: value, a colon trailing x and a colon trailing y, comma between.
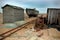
x: 39, y: 4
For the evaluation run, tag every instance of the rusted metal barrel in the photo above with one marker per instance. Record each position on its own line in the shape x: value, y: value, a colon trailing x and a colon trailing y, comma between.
x: 39, y: 23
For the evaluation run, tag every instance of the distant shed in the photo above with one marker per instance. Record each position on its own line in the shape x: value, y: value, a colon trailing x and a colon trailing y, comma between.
x: 32, y: 12
x: 12, y: 13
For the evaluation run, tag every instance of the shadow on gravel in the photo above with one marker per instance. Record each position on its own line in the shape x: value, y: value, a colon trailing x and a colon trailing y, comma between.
x: 54, y: 26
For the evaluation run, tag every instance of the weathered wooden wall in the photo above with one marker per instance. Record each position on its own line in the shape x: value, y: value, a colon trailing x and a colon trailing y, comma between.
x: 53, y: 16
x: 8, y: 14
x: 19, y: 14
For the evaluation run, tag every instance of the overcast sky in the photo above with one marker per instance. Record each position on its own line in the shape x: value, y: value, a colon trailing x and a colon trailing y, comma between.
x: 40, y: 5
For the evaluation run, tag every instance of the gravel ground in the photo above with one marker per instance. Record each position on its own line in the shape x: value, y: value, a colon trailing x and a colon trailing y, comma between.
x: 30, y: 34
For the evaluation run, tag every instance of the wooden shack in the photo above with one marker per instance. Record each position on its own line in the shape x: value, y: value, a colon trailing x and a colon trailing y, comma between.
x: 12, y: 13
x: 53, y: 15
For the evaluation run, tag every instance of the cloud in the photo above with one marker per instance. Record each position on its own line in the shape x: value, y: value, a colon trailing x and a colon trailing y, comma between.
x: 41, y: 5
x: 34, y: 3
